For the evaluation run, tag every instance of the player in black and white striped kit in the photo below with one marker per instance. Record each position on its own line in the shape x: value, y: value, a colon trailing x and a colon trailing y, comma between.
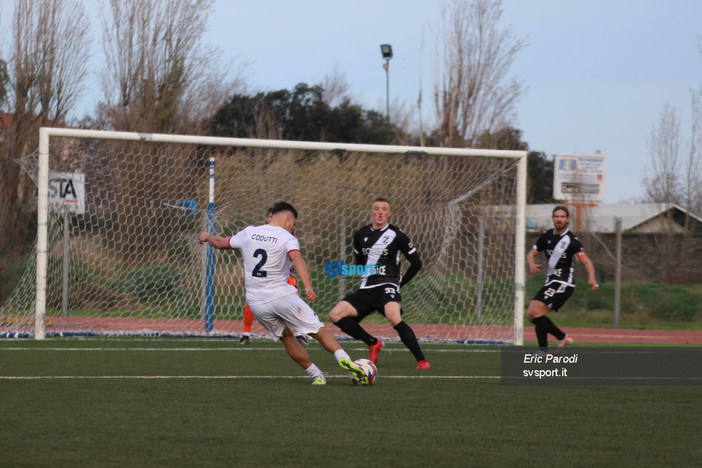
x: 561, y: 248
x: 379, y: 247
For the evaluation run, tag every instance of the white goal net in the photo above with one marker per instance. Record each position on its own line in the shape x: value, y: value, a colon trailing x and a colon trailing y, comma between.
x: 119, y: 215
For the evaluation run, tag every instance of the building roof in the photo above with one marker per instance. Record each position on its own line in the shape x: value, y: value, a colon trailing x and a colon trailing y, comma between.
x: 643, y: 217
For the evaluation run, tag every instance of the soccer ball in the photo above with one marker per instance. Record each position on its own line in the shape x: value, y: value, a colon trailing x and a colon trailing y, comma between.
x: 370, y: 370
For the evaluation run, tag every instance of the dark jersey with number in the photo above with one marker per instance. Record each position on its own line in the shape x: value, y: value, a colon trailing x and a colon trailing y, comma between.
x: 380, y: 249
x: 560, y: 251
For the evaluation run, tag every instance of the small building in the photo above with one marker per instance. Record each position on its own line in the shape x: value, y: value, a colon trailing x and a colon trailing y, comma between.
x: 636, y: 218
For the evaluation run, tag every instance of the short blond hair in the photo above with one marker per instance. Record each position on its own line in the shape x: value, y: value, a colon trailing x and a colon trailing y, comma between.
x: 381, y: 199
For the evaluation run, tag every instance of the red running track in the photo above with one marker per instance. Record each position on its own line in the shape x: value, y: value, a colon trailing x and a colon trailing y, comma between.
x: 610, y: 335
x: 487, y: 333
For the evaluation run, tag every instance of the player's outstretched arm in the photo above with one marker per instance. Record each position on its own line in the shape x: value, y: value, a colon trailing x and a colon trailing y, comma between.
x: 590, y: 268
x: 215, y: 241
x: 304, y: 274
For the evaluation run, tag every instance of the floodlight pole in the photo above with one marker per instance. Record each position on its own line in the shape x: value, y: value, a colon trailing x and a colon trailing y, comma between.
x: 387, y: 94
x: 386, y: 51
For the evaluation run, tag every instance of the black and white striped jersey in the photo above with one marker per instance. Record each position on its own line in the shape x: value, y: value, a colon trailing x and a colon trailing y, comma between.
x: 382, y: 248
x: 560, y: 251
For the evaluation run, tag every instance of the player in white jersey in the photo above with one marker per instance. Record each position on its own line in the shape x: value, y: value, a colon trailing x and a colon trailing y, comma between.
x: 249, y: 317
x: 268, y: 251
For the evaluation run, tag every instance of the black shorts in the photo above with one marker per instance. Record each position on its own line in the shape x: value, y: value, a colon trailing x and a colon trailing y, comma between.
x: 367, y: 301
x: 554, y: 295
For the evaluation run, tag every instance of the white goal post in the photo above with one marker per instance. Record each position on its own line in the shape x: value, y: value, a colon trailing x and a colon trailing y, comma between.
x: 463, y: 208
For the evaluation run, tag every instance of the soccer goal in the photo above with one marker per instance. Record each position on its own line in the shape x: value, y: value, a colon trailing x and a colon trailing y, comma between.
x: 119, y: 214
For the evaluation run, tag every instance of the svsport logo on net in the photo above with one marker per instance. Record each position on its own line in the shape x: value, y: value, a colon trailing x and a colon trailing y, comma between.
x: 339, y: 268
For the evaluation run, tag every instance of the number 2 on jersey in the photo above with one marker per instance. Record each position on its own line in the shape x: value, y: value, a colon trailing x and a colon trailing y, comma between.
x: 257, y: 271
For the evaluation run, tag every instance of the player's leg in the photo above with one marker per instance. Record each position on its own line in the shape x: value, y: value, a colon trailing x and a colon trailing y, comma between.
x: 563, y: 293
x: 295, y: 349
x: 329, y: 342
x: 536, y: 314
x: 248, y: 321
x: 300, y: 356
x: 345, y: 315
x: 393, y: 312
x: 300, y: 316
x: 326, y: 339
x: 552, y: 329
x: 300, y: 336
x: 548, y: 298
x: 348, y: 314
x: 268, y: 316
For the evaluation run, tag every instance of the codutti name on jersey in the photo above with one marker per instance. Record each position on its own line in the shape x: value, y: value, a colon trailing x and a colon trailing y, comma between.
x: 339, y: 268
x: 262, y: 238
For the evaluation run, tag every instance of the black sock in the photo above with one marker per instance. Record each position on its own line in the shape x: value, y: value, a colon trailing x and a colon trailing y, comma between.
x: 554, y: 330
x: 409, y: 339
x: 354, y: 329
x: 541, y: 329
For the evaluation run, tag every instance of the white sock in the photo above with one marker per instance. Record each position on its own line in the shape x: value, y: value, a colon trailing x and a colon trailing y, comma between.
x: 313, y: 371
x: 341, y: 354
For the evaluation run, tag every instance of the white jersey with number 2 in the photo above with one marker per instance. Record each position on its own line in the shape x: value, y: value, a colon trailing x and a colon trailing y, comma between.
x: 266, y: 263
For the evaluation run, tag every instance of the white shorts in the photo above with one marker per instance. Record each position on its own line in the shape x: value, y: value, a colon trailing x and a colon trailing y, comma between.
x: 287, y: 310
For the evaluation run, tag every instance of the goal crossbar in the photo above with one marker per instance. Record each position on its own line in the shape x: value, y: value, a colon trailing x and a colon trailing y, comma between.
x: 46, y: 133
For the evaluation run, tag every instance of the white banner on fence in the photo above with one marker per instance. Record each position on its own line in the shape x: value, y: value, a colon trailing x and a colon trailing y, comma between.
x: 67, y: 189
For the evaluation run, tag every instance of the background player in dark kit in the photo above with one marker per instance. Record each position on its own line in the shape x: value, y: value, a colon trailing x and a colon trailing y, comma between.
x: 561, y: 247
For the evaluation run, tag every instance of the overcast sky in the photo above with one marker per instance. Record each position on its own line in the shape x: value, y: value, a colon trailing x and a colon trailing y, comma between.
x: 597, y: 72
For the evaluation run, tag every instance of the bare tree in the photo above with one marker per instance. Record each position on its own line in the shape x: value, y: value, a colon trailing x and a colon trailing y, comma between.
x: 159, y: 76
x: 692, y: 176
x: 692, y: 171
x: 404, y: 123
x: 49, y: 59
x: 336, y: 87
x: 473, y: 91
x: 675, y: 172
x: 675, y: 180
x: 693, y: 166
x: 336, y: 90
x: 663, y: 185
x: 44, y: 78
x: 4, y: 75
x: 4, y: 82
